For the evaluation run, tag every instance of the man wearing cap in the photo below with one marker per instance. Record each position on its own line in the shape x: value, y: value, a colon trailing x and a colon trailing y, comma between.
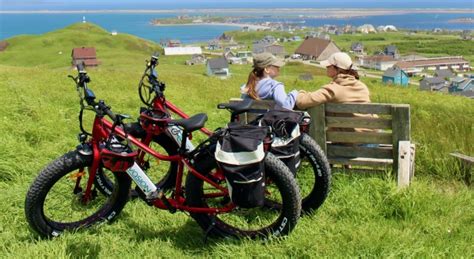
x: 344, y: 88
x: 261, y: 84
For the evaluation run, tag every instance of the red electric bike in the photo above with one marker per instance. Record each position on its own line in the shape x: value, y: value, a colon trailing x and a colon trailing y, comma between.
x: 65, y: 195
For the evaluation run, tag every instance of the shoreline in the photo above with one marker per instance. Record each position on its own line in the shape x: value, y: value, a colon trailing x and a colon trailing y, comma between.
x: 306, y: 12
x: 252, y: 27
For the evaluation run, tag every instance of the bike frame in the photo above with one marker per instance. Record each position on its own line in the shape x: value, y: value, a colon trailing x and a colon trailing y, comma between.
x: 102, y: 128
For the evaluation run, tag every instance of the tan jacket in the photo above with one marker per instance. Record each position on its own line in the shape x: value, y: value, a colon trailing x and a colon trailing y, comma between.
x: 343, y: 89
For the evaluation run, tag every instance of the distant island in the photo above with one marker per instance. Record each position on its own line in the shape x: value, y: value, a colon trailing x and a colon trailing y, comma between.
x: 206, y: 20
x: 462, y: 20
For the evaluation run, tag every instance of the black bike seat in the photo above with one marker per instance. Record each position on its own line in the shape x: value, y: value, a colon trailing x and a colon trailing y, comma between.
x: 237, y: 107
x: 192, y: 123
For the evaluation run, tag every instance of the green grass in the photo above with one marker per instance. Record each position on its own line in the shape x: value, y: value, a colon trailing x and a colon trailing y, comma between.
x: 364, y: 215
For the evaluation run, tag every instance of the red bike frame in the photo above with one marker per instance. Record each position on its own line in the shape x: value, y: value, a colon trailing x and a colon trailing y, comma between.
x: 102, y: 129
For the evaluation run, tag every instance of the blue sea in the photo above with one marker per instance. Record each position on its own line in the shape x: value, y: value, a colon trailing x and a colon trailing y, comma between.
x: 139, y: 23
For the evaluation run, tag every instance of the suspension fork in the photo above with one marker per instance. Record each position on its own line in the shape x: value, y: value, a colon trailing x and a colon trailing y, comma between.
x: 92, y: 172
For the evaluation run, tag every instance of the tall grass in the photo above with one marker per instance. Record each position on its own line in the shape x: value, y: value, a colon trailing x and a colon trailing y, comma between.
x: 364, y: 216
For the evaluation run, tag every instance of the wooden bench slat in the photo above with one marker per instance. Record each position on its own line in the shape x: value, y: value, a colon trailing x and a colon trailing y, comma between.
x: 358, y: 151
x: 369, y: 108
x: 362, y: 161
x: 464, y: 158
x: 358, y: 122
x: 359, y: 137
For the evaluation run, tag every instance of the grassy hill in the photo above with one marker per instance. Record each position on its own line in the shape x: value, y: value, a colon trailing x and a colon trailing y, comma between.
x: 53, y: 49
x: 364, y: 216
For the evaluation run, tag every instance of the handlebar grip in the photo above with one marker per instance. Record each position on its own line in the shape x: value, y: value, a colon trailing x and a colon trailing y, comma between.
x: 106, y: 109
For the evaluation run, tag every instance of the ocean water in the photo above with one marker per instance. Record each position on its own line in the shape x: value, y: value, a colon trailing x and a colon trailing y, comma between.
x: 136, y: 24
x: 139, y: 24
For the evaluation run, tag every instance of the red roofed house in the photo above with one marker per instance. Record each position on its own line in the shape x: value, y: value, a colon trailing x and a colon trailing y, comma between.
x: 3, y: 45
x: 86, y: 55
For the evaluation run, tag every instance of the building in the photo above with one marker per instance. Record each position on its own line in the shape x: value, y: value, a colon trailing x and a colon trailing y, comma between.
x: 213, y: 45
x: 84, y: 55
x: 444, y: 73
x: 357, y: 48
x: 218, y: 67
x: 366, y: 28
x: 416, y: 66
x: 433, y: 84
x: 461, y: 84
x: 316, y: 49
x: 226, y: 38
x: 395, y: 76
x: 196, y: 59
x: 173, y: 43
x: 173, y: 51
x: 377, y: 62
x: 391, y: 50
x: 3, y: 45
x: 245, y: 56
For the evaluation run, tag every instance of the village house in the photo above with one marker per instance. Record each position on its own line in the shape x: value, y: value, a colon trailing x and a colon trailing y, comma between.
x: 395, y: 76
x: 433, y: 84
x: 213, y: 45
x: 413, y: 67
x: 446, y: 74
x: 218, y: 67
x: 462, y: 84
x: 466, y: 35
x: 357, y: 48
x: 316, y: 49
x: 196, y: 59
x: 392, y: 51
x: 84, y: 55
x: 275, y: 49
x: 3, y: 45
x: 173, y: 43
x: 377, y: 62
x: 226, y: 38
x: 174, y: 51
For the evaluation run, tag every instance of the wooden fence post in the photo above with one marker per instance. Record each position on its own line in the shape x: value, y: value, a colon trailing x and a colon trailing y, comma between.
x: 404, y: 164
x: 318, y: 125
x: 400, y: 129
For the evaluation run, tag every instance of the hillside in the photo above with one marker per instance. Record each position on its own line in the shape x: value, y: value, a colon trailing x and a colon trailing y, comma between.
x: 53, y: 49
x: 364, y: 215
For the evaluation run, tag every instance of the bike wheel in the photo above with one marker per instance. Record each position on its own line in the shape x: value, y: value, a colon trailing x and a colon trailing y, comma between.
x: 164, y: 170
x: 263, y: 221
x: 54, y: 200
x: 313, y: 175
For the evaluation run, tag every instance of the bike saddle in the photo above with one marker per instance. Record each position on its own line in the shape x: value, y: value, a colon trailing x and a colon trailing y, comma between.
x: 237, y: 107
x: 193, y: 123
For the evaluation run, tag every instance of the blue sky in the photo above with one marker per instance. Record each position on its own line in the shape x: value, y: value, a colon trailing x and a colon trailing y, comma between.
x: 161, y: 4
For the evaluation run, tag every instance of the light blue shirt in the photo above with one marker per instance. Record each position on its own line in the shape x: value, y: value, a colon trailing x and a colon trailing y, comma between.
x: 269, y: 89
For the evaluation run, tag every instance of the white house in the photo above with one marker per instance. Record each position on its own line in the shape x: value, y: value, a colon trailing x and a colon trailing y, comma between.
x: 169, y: 51
x: 218, y: 67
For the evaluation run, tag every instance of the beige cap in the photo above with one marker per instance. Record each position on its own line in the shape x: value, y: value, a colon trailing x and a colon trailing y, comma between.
x: 266, y: 59
x: 340, y: 60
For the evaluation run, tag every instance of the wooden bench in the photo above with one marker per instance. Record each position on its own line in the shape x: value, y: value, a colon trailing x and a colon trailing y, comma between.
x: 387, y: 144
x: 465, y: 164
x: 391, y: 135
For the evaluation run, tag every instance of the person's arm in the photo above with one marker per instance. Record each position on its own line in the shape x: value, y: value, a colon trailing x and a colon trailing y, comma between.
x: 284, y: 100
x: 305, y: 99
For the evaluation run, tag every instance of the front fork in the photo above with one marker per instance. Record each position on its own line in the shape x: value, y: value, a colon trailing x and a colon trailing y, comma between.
x: 87, y: 149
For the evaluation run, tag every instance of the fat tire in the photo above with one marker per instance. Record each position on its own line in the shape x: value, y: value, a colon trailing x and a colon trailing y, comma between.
x: 49, y: 176
x: 290, y: 210
x: 322, y: 173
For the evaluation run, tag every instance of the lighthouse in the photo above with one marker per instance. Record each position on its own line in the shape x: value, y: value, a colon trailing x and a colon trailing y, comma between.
x: 83, y: 19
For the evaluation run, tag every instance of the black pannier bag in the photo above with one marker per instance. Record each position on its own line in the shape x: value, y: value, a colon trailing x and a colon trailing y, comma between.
x: 286, y: 130
x: 240, y: 154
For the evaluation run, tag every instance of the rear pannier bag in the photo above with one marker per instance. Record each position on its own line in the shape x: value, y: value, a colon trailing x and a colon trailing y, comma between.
x: 286, y: 130
x: 240, y: 154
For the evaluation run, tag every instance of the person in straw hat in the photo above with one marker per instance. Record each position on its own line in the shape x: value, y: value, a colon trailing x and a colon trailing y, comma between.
x: 261, y: 83
x: 344, y: 88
